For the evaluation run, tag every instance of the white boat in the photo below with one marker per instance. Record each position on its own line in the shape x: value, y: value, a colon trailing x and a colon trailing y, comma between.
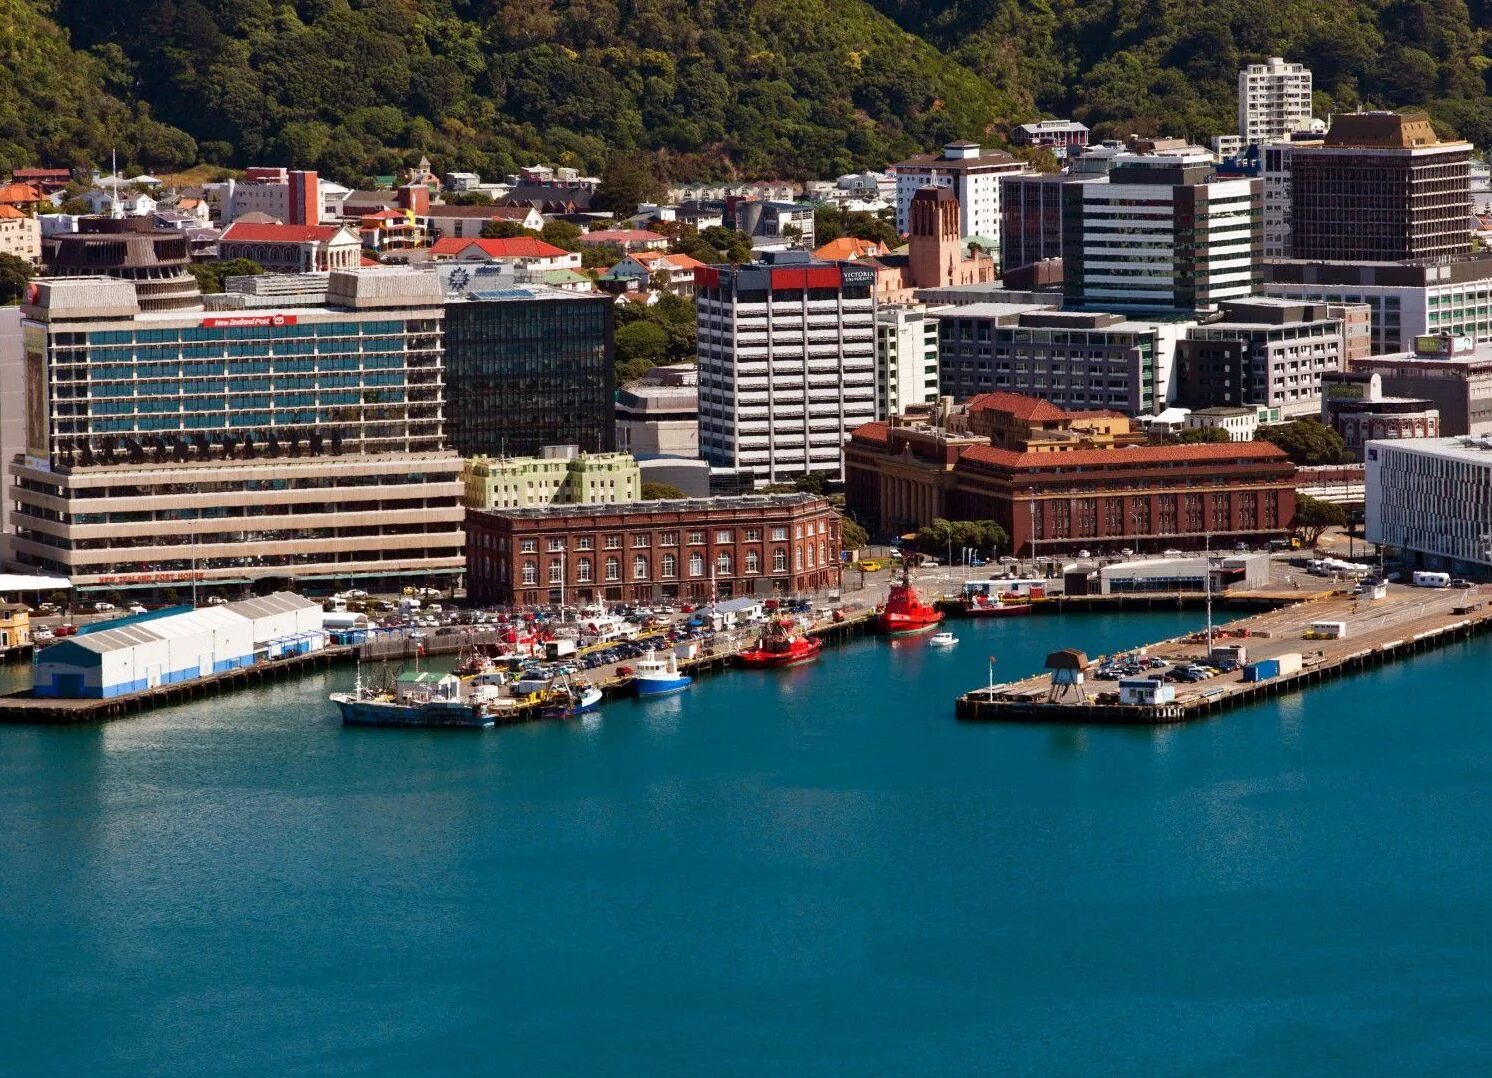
x: 942, y: 640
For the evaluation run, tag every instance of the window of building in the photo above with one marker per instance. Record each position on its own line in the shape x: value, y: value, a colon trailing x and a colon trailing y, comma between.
x: 556, y: 572
x: 556, y: 545
x: 670, y: 566
x: 753, y: 535
x: 584, y: 571
x: 669, y: 539
x: 530, y: 572
x: 696, y: 564
x: 639, y: 568
x: 723, y: 536
x: 797, y: 559
x: 779, y: 534
x: 722, y: 563
x: 613, y: 542
x: 529, y: 546
x: 613, y: 568
x: 639, y: 540
x: 753, y: 562
x: 779, y: 559
x: 585, y: 542
x: 696, y: 537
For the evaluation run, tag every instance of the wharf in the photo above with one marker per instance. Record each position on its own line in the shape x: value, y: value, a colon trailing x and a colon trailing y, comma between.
x: 24, y: 708
x: 1258, y: 599
x: 1408, y: 620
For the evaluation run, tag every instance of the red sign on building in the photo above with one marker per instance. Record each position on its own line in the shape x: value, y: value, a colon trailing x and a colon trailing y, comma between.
x: 249, y: 321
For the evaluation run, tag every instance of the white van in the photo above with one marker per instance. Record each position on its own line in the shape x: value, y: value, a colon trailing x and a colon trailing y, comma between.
x: 1432, y: 580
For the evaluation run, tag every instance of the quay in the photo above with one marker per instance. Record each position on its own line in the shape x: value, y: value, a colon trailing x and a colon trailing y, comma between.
x: 23, y: 708
x: 1405, y: 622
x: 717, y: 654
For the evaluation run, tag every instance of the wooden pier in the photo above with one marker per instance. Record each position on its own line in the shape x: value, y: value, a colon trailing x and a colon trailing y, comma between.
x: 1406, y: 622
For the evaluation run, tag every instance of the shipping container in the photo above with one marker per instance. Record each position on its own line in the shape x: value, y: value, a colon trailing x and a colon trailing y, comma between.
x: 1289, y: 663
x: 1261, y: 670
x: 1327, y: 630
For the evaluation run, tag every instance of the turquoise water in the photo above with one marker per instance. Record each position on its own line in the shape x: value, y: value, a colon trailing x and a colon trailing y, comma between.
x: 808, y: 871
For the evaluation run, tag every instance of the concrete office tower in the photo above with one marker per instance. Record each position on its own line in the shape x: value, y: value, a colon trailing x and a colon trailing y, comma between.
x: 1160, y: 232
x: 787, y: 363
x: 1274, y: 101
x: 1265, y: 352
x: 299, y: 442
x: 906, y: 358
x: 1380, y: 188
x: 971, y: 174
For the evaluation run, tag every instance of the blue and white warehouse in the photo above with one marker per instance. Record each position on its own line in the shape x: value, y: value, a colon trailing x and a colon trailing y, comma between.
x: 177, y: 644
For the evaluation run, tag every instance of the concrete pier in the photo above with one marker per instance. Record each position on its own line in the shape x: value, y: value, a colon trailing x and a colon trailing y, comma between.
x: 1408, y: 620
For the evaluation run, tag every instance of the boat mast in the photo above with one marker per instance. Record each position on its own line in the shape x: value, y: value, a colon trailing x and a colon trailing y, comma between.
x: 1207, y: 586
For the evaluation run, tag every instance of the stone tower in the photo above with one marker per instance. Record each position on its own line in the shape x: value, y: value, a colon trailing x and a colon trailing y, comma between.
x: 935, y: 247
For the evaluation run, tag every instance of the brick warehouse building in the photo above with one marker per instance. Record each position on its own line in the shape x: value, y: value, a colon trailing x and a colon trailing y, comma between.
x: 1143, y: 497
x: 642, y: 551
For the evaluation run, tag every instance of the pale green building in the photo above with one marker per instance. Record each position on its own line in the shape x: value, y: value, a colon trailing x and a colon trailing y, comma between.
x: 561, y: 475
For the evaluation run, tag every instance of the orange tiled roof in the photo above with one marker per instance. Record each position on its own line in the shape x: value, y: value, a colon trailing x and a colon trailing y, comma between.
x: 1027, y: 409
x: 849, y: 248
x: 1200, y: 453
x: 513, y: 247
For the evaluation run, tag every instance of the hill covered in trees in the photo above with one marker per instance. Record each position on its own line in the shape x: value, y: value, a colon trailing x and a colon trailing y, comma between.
x: 698, y: 87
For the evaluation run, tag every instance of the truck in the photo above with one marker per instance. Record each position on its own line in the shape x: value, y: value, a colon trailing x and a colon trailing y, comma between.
x: 1327, y: 630
x: 1431, y: 580
x: 559, y: 647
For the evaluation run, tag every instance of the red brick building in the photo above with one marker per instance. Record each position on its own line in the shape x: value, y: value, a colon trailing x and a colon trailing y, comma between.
x: 768, y: 544
x: 1144, y: 497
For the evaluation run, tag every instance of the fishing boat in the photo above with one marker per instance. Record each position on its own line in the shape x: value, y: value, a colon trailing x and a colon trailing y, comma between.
x: 416, y: 698
x: 780, y: 645
x: 569, y: 698
x: 906, y: 613
x: 659, y: 676
x: 980, y: 605
x: 942, y: 640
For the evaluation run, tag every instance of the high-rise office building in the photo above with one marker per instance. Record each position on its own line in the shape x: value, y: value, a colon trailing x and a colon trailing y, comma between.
x: 1262, y: 351
x: 787, y: 363
x: 1381, y: 187
x: 1274, y: 101
x: 527, y: 366
x: 906, y: 358
x: 1160, y: 232
x: 250, y: 437
x: 970, y: 173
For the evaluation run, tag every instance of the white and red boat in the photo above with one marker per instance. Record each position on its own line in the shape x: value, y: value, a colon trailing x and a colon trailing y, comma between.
x: 979, y: 605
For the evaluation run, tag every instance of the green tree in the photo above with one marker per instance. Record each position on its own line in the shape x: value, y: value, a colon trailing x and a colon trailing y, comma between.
x: 211, y: 276
x: 14, y: 275
x: 627, y: 182
x: 1313, y: 516
x: 640, y: 346
x: 851, y: 535
x: 1307, y: 442
x: 503, y: 230
x: 562, y: 234
x: 659, y: 492
x: 1203, y: 435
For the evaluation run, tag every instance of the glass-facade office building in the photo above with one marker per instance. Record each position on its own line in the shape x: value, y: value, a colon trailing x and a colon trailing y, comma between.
x: 225, y: 445
x: 528, y: 367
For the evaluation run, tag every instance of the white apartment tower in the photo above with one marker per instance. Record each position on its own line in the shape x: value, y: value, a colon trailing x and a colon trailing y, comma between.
x: 906, y: 358
x: 972, y: 174
x: 787, y: 364
x: 1274, y: 101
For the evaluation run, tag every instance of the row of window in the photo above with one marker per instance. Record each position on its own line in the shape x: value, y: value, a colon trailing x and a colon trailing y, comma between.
x: 669, y: 565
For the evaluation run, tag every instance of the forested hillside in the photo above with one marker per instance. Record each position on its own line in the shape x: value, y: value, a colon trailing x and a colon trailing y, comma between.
x: 701, y: 87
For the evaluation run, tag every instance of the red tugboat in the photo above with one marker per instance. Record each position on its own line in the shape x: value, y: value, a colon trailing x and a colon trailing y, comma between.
x: 905, y: 612
x: 780, y: 646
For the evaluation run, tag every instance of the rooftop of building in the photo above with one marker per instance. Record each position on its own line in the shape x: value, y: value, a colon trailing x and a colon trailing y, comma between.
x: 960, y: 156
x: 246, y: 231
x: 1022, y: 407
x: 1214, y: 454
x: 1383, y: 131
x: 1474, y: 448
x: 621, y: 235
x: 512, y: 247
x: 672, y: 505
x: 1225, y: 411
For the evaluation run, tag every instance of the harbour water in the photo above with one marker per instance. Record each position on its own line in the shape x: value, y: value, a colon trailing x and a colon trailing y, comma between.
x: 806, y: 871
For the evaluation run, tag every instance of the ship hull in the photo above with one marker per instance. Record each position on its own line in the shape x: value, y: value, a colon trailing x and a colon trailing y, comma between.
x: 896, y: 628
x: 997, y: 610
x: 431, y: 716
x: 666, y: 686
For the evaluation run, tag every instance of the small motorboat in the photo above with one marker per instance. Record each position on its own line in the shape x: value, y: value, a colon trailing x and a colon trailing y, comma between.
x: 942, y: 640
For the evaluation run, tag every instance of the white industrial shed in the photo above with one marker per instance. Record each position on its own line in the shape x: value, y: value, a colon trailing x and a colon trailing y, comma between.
x: 177, y: 644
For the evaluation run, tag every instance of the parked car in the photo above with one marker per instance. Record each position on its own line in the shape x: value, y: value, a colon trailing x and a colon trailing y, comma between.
x: 102, y: 607
x: 48, y: 608
x: 136, y: 608
x: 215, y: 600
x: 1172, y: 552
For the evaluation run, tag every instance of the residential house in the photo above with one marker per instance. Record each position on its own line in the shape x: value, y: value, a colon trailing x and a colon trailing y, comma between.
x: 628, y: 239
x: 129, y: 203
x: 642, y: 266
x: 25, y: 197
x: 465, y: 222
x: 20, y: 235
x: 391, y: 230
x: 526, y: 251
